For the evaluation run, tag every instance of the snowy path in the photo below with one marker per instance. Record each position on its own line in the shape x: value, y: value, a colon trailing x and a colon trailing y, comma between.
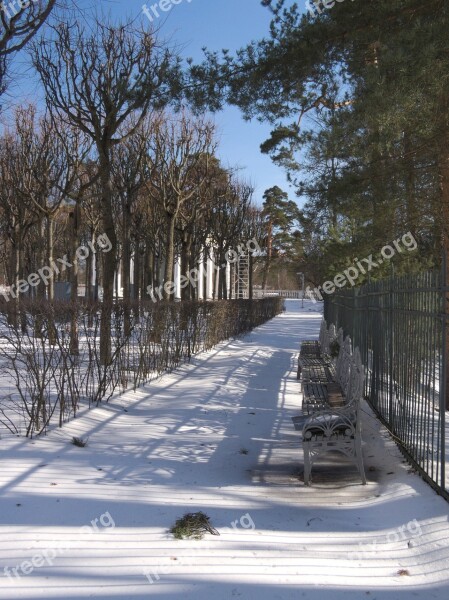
x: 178, y: 446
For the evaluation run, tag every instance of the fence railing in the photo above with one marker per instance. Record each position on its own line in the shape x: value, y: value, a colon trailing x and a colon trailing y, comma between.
x: 399, y: 325
x: 282, y: 293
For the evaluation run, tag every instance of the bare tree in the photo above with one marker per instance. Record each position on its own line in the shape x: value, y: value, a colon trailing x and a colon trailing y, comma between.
x: 50, y: 170
x: 150, y: 222
x: 254, y: 229
x: 88, y: 199
x: 19, y: 23
x: 193, y: 223
x: 128, y: 173
x: 229, y: 214
x: 94, y: 80
x: 17, y: 215
x: 175, y: 152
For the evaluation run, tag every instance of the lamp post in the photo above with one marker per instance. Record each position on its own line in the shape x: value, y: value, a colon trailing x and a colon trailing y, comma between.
x: 301, y: 277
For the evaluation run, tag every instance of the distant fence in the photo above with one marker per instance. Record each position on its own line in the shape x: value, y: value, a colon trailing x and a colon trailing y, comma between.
x: 399, y: 325
x: 282, y: 293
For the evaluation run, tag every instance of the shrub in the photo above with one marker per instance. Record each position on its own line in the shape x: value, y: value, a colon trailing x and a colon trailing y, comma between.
x: 193, y: 526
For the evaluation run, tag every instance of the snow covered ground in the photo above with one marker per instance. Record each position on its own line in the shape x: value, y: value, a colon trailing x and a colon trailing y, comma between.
x: 216, y: 436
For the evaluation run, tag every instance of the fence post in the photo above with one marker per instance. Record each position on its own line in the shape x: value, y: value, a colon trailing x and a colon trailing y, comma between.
x: 391, y: 348
x: 443, y: 371
x: 354, y: 317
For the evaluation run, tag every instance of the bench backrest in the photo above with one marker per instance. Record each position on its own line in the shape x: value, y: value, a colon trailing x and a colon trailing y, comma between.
x: 324, y: 338
x: 327, y: 337
x: 340, y: 337
x: 356, y: 379
x: 343, y: 365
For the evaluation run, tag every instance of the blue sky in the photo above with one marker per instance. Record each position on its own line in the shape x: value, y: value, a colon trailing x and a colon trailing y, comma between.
x: 192, y: 25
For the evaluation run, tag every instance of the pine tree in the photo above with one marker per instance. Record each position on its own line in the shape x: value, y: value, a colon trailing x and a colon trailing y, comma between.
x: 279, y: 214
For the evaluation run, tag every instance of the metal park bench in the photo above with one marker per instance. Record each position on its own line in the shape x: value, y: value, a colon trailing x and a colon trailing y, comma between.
x: 314, y: 359
x: 328, y: 383
x: 331, y: 419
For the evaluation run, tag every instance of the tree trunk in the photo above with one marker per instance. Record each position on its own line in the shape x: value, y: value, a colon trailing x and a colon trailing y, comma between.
x: 23, y: 317
x: 88, y: 277
x: 136, y: 277
x: 187, y: 293
x: 168, y: 278
x: 51, y: 283
x: 126, y: 269
x: 157, y: 269
x: 40, y: 289
x: 16, y: 276
x: 74, y: 341
x: 109, y: 264
x: 50, y: 248
x: 222, y: 287
x: 250, y: 275
x: 269, y: 254
x: 215, y: 279
x: 148, y: 277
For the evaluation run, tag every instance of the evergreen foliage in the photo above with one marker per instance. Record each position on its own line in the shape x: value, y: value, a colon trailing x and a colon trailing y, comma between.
x: 358, y: 98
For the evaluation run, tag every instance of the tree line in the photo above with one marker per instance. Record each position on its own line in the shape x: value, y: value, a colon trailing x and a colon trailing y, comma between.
x: 117, y: 153
x: 357, y: 97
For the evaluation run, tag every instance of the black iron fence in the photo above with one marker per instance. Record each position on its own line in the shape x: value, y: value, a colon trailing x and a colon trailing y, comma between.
x: 399, y: 326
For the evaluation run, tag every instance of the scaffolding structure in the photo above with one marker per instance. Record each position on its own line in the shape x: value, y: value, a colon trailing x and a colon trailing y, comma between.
x: 243, y: 275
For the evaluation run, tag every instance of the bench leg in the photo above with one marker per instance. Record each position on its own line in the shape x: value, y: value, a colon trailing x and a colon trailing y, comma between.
x: 307, y: 465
